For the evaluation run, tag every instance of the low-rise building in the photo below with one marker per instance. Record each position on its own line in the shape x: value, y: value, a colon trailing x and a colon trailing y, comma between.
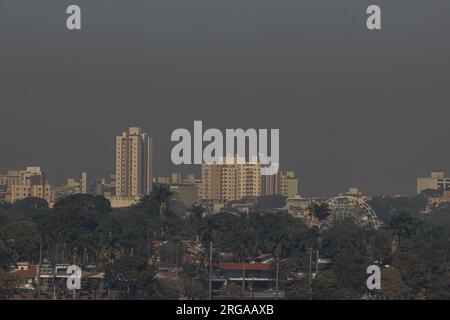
x: 19, y: 192
x: 258, y: 276
x: 436, y: 181
x: 32, y: 182
x: 26, y: 274
x: 73, y: 186
x: 434, y: 202
x: 186, y: 193
x: 123, y: 202
x: 298, y: 206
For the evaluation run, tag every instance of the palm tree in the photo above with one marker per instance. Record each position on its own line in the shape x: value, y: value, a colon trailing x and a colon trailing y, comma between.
x: 44, y: 237
x: 404, y: 225
x: 197, y: 211
x: 6, y: 257
x: 196, y: 216
x: 161, y: 195
x: 206, y: 232
x: 319, y: 211
x: 243, y: 248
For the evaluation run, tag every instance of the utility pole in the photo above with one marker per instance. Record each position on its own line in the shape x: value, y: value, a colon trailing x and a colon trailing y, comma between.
x: 148, y: 245
x: 40, y: 267
x: 310, y: 270
x: 243, y: 274
x: 57, y: 253
x: 54, y: 286
x: 210, y: 270
x: 277, y: 276
x: 317, y: 262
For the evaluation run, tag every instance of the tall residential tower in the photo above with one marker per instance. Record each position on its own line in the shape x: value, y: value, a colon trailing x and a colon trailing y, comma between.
x: 133, y: 163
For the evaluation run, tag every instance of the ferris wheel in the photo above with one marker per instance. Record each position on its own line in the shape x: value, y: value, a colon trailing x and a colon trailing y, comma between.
x: 348, y: 207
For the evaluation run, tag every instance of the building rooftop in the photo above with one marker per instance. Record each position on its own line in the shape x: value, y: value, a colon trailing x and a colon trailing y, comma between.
x: 30, y: 272
x: 248, y: 266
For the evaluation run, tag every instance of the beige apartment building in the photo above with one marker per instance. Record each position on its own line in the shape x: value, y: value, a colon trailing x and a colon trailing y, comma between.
x: 20, y: 177
x: 288, y: 184
x: 28, y: 183
x: 133, y: 164
x: 248, y: 180
x: 19, y: 192
x: 10, y: 178
x: 284, y: 183
x: 228, y: 182
x: 211, y: 182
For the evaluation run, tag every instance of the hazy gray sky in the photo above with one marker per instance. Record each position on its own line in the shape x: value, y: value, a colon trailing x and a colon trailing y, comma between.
x: 354, y: 107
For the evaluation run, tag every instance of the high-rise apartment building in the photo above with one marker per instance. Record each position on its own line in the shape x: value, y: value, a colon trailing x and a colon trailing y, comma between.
x: 248, y: 180
x: 227, y: 181
x: 84, y: 183
x: 133, y: 163
x: 211, y: 182
x: 288, y: 184
x: 271, y: 185
x: 284, y: 183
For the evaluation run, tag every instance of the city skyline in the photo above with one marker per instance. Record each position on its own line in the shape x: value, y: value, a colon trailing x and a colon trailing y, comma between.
x: 147, y: 141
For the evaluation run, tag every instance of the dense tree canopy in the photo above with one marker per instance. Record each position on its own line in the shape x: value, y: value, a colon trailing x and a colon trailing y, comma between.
x: 412, y: 250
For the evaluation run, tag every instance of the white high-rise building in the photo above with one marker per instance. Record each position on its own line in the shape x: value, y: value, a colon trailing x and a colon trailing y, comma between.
x: 133, y: 164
